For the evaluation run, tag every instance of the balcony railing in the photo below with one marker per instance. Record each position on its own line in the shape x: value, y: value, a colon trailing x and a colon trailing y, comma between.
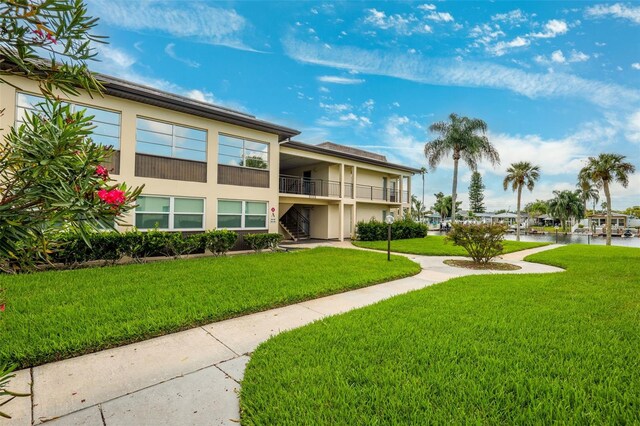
x: 367, y: 192
x: 307, y: 186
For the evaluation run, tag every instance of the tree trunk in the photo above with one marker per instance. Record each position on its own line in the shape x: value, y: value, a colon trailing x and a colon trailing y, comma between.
x: 422, y: 196
x: 454, y: 190
x: 608, y: 195
x: 518, y: 213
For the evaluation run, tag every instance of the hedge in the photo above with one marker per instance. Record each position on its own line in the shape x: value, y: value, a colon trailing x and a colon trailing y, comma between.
x: 259, y: 242
x: 375, y: 230
x: 71, y: 248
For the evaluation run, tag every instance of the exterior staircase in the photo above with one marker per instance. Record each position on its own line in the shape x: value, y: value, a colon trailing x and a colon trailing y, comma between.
x: 295, y: 224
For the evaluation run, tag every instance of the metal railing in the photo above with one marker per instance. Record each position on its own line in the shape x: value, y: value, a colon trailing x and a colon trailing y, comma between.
x: 348, y: 190
x: 367, y: 192
x: 307, y: 186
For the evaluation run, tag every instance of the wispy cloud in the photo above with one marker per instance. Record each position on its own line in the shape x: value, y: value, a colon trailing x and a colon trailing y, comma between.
x: 559, y: 57
x: 198, y: 21
x: 502, y: 47
x: 333, y: 79
x: 635, y: 65
x: 404, y: 24
x: 450, y: 72
x: 618, y: 10
x: 171, y: 52
x: 489, y: 35
x: 440, y: 17
x: 551, y: 29
x: 513, y: 17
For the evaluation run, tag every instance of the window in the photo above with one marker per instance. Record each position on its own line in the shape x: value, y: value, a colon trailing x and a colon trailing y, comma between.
x: 235, y: 214
x: 170, y: 140
x: 242, y: 153
x: 107, y: 123
x: 170, y: 213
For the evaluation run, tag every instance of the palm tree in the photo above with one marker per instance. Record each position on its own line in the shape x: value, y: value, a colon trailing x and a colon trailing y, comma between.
x: 565, y: 205
x: 464, y: 138
x: 603, y: 170
x: 423, y: 171
x: 588, y: 192
x: 519, y: 175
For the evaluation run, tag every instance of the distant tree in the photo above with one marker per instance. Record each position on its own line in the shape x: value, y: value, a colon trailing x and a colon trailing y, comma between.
x: 418, y: 209
x: 444, y: 205
x: 566, y: 205
x: 537, y: 208
x: 476, y: 193
x: 632, y: 211
x: 588, y: 192
x: 255, y: 161
x: 604, y: 170
x: 520, y: 175
x: 462, y: 138
x: 500, y: 211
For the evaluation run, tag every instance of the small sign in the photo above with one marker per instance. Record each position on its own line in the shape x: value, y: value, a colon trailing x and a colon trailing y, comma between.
x: 273, y: 209
x: 273, y: 220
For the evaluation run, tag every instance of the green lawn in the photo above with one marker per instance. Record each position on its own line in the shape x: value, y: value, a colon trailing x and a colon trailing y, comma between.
x: 54, y: 315
x: 500, y: 349
x: 435, y: 245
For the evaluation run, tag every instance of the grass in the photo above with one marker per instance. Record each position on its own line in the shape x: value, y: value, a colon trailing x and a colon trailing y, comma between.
x: 492, y: 349
x: 58, y: 314
x: 435, y: 245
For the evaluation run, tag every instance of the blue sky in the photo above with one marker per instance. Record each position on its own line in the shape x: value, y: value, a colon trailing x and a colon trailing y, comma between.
x: 555, y: 81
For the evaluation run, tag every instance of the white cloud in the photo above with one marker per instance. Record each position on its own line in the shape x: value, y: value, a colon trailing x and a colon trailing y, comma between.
x: 339, y: 80
x: 513, y: 17
x: 485, y: 34
x: 577, y: 56
x: 552, y: 28
x: 633, y: 128
x: 402, y: 24
x: 192, y: 20
x: 427, y: 7
x: 558, y: 57
x: 335, y: 108
x: 117, y: 57
x: 449, y: 72
x: 636, y: 65
x: 440, y: 17
x: 502, y: 47
x: 323, y: 89
x: 617, y: 10
x: 199, y: 95
x: 171, y: 52
x: 368, y: 105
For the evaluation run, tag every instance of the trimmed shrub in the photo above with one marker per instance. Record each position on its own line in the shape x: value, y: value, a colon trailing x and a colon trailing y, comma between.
x: 375, y: 230
x: 220, y: 241
x: 483, y: 242
x: 259, y: 242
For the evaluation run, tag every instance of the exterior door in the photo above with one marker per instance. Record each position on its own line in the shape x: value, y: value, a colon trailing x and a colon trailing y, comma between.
x: 306, y: 183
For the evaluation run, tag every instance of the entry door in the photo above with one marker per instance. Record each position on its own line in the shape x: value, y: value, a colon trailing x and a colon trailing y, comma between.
x: 393, y: 196
x: 306, y: 182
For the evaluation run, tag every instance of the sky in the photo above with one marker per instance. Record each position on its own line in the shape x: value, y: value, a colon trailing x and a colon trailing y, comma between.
x: 555, y: 81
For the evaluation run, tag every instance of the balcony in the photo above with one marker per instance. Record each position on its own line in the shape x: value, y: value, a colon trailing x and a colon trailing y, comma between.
x: 310, y: 187
x: 376, y: 193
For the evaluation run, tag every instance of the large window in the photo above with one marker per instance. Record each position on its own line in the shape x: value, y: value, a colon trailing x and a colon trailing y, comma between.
x: 170, y: 140
x: 242, y: 153
x: 170, y: 213
x: 236, y: 214
x: 107, y: 123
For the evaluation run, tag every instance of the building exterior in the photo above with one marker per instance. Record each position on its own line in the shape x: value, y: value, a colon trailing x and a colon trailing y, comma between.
x: 205, y: 166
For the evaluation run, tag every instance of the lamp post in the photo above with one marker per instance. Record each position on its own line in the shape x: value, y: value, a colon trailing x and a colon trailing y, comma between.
x: 389, y: 220
x: 557, y: 234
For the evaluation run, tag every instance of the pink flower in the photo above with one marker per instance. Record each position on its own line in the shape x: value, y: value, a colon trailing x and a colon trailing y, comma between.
x: 2, y: 307
x: 102, y: 172
x: 115, y: 197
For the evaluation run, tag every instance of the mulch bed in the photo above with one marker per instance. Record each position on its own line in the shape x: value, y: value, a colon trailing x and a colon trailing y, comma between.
x: 470, y: 264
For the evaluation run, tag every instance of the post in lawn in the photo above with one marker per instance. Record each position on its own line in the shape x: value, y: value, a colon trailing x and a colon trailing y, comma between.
x: 389, y: 220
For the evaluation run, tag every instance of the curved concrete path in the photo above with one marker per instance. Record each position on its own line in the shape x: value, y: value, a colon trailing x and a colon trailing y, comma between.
x: 192, y: 377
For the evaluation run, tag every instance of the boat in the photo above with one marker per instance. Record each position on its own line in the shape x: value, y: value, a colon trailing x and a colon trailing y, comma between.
x: 627, y: 233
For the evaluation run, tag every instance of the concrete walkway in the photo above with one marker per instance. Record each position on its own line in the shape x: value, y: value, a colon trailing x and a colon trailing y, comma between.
x: 193, y: 377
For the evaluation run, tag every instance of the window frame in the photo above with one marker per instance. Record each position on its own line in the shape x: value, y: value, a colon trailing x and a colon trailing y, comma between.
x: 244, y: 151
x: 243, y: 214
x: 172, y: 213
x: 81, y: 106
x: 173, y: 139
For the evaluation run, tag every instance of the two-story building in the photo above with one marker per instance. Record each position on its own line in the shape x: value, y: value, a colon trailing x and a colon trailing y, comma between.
x: 205, y: 166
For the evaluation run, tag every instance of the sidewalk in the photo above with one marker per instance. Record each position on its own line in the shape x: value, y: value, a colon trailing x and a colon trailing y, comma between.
x: 192, y: 377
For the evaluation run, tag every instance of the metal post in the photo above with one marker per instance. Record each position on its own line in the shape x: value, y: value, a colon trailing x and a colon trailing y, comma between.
x: 389, y: 242
x: 556, y: 235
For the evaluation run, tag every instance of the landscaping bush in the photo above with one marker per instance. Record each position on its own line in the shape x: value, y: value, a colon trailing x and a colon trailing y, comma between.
x: 375, y: 230
x: 483, y: 242
x: 220, y: 241
x: 259, y: 242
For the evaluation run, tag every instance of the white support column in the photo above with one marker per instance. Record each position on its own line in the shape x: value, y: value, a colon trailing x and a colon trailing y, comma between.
x: 341, y: 214
x: 409, y: 192
x: 341, y: 181
x: 400, y: 189
x: 355, y: 182
x: 353, y: 218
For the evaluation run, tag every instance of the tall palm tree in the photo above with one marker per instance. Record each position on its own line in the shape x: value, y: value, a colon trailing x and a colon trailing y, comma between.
x: 464, y: 138
x: 602, y: 171
x: 588, y: 192
x: 520, y: 175
x: 565, y: 205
